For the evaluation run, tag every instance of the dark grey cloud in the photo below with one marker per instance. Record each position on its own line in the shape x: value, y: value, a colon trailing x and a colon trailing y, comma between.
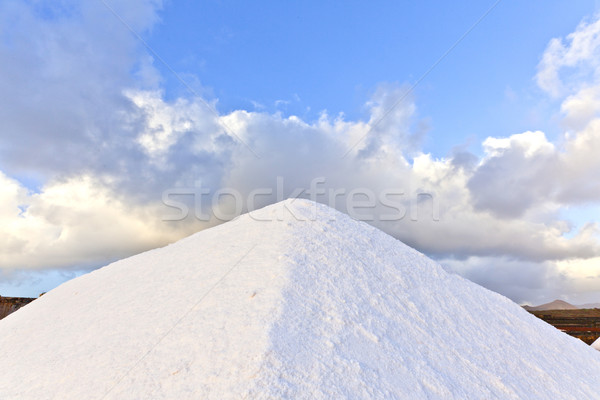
x: 525, y: 282
x: 62, y: 105
x: 512, y: 182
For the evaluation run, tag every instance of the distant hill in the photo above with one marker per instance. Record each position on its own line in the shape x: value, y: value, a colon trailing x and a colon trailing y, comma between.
x: 555, y: 305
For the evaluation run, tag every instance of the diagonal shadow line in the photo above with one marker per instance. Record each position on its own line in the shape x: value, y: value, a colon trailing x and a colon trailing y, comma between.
x: 423, y: 76
x: 135, y: 364
x: 180, y: 79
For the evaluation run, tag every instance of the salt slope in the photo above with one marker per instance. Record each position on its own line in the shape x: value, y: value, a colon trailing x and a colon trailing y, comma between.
x: 275, y: 305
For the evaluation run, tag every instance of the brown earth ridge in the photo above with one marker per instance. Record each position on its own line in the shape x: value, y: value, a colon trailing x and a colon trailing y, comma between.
x: 9, y: 305
x: 583, y: 324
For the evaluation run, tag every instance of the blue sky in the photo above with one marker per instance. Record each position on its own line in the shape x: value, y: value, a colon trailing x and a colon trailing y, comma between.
x: 327, y: 56
x: 503, y: 132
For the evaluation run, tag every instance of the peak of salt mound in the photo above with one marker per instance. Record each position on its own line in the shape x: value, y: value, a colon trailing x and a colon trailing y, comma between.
x: 292, y: 301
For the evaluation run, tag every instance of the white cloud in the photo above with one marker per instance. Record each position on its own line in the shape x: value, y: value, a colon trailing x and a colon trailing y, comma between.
x: 502, y: 206
x: 516, y: 174
x: 566, y: 64
x: 165, y: 125
x: 531, y: 143
x: 525, y: 171
x: 582, y: 107
x: 298, y: 152
x: 75, y: 223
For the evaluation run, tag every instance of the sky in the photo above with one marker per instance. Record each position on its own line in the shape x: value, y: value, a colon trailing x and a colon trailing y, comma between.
x: 113, y: 113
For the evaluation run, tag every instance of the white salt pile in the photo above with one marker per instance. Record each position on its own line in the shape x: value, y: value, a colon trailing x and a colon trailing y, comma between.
x: 280, y: 304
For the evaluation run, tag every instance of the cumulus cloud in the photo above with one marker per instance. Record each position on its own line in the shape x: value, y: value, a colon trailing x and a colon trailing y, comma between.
x: 582, y: 107
x: 567, y: 64
x: 575, y: 281
x: 69, y: 63
x: 516, y: 173
x: 109, y: 144
x: 75, y: 224
x: 525, y: 282
x: 468, y: 213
